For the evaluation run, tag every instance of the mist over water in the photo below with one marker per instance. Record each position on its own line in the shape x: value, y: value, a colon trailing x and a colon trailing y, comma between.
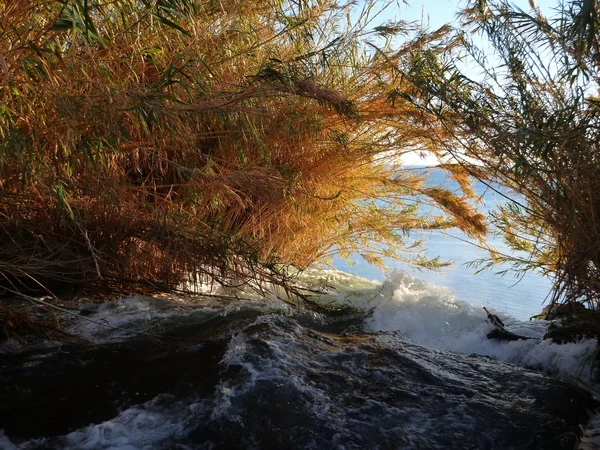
x: 520, y: 297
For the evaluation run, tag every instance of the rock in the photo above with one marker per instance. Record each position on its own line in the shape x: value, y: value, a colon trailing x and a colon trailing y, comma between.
x: 564, y: 311
x: 504, y: 335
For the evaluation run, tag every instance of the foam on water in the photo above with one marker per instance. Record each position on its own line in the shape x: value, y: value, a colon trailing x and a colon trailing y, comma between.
x: 278, y: 360
x: 123, y: 318
x: 591, y: 434
x: 134, y: 428
x: 118, y: 320
x: 275, y: 365
x: 432, y: 316
x: 5, y: 443
x: 140, y: 427
x: 427, y: 314
x: 285, y: 365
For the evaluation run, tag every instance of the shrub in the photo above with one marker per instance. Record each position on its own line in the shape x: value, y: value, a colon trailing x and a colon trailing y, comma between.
x: 530, y: 121
x: 157, y: 139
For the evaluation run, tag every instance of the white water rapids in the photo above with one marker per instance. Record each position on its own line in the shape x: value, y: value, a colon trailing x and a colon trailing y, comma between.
x: 427, y: 314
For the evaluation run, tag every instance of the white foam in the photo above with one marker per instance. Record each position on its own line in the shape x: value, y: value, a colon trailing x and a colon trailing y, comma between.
x: 5, y: 443
x: 123, y: 318
x: 141, y: 427
x: 120, y: 319
x: 432, y: 316
x: 426, y: 313
x: 132, y: 429
x: 590, y: 440
x: 225, y: 392
x: 276, y: 364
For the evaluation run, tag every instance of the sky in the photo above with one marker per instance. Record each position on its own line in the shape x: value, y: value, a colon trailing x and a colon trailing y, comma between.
x: 436, y: 13
x: 433, y: 14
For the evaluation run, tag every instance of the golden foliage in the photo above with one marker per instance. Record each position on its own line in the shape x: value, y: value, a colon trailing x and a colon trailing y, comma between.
x: 156, y: 139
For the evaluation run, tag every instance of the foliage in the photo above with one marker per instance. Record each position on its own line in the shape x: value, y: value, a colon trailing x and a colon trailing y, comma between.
x: 530, y: 120
x: 162, y: 139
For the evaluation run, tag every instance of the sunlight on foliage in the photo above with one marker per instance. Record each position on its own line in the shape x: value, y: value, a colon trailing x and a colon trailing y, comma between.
x: 154, y: 139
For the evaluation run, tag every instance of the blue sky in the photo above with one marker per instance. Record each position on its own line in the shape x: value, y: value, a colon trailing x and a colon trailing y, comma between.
x: 436, y: 13
x: 433, y: 14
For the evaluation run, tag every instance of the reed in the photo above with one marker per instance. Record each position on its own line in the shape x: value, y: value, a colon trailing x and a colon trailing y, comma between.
x: 530, y: 121
x: 151, y: 140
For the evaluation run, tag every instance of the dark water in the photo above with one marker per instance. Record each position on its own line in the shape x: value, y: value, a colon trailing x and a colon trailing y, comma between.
x: 259, y: 376
x: 520, y: 297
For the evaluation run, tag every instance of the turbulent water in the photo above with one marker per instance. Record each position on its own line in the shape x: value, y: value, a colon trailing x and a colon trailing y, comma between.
x: 410, y: 367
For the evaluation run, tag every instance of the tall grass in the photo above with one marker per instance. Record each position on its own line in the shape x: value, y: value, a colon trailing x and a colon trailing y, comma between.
x: 153, y: 139
x: 529, y: 116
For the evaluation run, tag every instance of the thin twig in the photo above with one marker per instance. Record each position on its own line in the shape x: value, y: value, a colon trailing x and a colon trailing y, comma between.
x: 87, y: 319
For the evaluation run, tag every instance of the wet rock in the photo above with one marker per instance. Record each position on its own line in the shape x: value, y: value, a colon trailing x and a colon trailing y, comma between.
x: 504, y: 335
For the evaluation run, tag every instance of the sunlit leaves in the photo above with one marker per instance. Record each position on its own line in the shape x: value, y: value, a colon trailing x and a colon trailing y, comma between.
x: 225, y: 138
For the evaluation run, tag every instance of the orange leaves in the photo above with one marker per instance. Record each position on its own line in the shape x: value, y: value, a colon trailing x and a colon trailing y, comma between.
x: 251, y: 138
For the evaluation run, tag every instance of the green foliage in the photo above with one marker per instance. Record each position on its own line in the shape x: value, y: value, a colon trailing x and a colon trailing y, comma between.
x: 530, y: 122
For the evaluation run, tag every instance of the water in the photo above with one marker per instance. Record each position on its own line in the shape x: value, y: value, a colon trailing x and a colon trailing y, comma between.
x: 257, y: 373
x: 519, y: 297
x: 411, y: 367
x: 434, y: 316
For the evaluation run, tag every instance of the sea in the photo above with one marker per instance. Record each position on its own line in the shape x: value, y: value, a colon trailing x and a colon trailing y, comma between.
x: 519, y: 295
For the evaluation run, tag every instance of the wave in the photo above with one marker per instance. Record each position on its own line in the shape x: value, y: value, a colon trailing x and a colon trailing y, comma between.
x: 406, y: 378
x: 432, y: 316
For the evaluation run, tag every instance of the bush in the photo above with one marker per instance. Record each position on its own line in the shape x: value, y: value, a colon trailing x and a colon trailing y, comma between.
x: 223, y: 140
x: 529, y: 122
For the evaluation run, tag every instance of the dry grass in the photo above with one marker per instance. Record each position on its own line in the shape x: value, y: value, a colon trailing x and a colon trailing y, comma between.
x: 21, y: 326
x: 151, y: 140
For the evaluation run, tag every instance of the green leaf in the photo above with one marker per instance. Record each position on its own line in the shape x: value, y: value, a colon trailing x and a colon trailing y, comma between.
x: 170, y: 23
